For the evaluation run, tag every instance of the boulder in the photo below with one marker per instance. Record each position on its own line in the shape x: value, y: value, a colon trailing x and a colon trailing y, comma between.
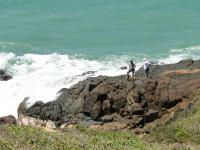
x: 4, y: 76
x: 123, y: 68
x: 101, y: 101
x: 35, y: 122
x: 151, y: 115
x: 8, y: 120
x: 88, y: 72
x: 135, y: 109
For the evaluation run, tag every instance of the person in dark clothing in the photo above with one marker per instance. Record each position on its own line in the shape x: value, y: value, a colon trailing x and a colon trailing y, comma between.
x: 131, y: 69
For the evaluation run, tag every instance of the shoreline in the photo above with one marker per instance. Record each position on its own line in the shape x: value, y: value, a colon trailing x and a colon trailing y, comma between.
x: 103, y: 102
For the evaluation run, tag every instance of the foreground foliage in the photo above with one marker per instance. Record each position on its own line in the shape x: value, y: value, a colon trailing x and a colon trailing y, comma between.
x: 184, y: 133
x: 185, y: 129
x: 28, y: 138
x: 22, y: 137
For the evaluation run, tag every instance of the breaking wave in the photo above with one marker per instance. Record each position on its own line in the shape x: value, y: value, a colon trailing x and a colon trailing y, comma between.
x: 40, y: 77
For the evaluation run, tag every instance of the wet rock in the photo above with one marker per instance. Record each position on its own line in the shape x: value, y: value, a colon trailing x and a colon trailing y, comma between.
x: 88, y: 72
x: 123, y: 68
x: 4, y: 76
x: 135, y: 103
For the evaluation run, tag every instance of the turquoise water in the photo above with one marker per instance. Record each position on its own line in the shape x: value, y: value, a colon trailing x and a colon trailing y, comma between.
x: 47, y: 45
x: 99, y: 28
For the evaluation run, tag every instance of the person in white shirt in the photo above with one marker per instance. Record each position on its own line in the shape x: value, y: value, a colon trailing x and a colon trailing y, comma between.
x: 146, y: 66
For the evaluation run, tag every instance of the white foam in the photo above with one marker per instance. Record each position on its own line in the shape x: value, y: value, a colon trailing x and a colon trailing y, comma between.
x: 40, y: 77
x: 177, y: 55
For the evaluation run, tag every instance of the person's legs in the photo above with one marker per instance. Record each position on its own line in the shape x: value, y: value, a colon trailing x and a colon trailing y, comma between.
x: 133, y: 71
x: 128, y: 73
x: 146, y: 72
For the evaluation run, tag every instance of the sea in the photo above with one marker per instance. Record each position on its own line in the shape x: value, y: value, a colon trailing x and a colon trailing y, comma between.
x: 47, y: 45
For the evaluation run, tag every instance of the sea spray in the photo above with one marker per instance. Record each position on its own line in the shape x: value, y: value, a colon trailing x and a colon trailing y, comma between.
x: 40, y: 77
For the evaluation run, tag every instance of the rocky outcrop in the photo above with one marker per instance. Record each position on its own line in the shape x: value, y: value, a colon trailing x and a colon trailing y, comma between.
x: 4, y: 76
x: 35, y: 122
x: 157, y: 69
x: 8, y: 120
x: 106, y: 102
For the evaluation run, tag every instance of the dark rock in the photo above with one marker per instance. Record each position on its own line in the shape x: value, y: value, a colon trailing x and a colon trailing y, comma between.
x: 123, y: 68
x: 144, y: 104
x: 185, y: 63
x: 88, y: 72
x: 137, y: 121
x: 135, y: 109
x: 8, y: 120
x: 23, y: 106
x: 89, y: 102
x: 106, y: 107
x: 4, y: 76
x: 119, y: 104
x: 107, y: 118
x: 96, y: 110
x: 136, y: 102
x: 156, y: 70
x: 151, y: 115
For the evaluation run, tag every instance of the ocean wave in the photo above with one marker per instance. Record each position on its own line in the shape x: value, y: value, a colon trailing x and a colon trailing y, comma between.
x: 40, y: 77
x: 176, y: 55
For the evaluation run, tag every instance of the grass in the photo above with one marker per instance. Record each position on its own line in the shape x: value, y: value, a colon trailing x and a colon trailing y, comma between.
x: 14, y: 137
x: 186, y: 129
x: 183, y: 134
x: 5, y: 145
x: 22, y: 137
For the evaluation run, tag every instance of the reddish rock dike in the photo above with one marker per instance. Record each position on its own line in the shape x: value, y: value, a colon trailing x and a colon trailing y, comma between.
x: 117, y: 103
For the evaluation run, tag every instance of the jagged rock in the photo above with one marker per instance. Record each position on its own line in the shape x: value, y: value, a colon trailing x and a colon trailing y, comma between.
x: 88, y: 72
x: 135, y: 109
x: 4, y: 76
x: 156, y: 70
x: 136, y: 103
x: 107, y: 118
x: 23, y: 106
x: 96, y: 110
x: 8, y: 120
x: 151, y: 115
x: 35, y: 122
x: 123, y: 68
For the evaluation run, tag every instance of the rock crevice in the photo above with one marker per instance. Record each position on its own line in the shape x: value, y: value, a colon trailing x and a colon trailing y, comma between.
x: 101, y: 101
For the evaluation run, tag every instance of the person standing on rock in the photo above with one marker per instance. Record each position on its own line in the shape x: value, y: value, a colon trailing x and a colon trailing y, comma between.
x: 131, y: 69
x: 146, y: 66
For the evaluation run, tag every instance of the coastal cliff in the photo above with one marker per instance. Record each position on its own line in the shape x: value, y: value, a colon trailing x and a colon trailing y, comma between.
x: 114, y: 103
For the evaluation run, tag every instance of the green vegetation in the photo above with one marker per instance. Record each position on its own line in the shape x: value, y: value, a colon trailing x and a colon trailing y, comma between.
x: 183, y: 134
x: 5, y: 145
x: 22, y: 137
x: 186, y: 129
x: 27, y: 138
